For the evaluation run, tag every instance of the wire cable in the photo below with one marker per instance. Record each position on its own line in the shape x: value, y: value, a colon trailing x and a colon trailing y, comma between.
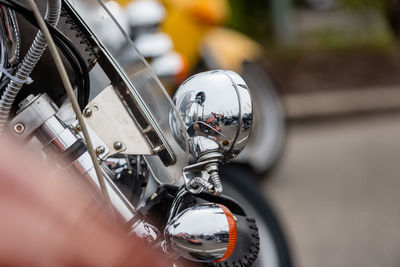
x: 29, y: 62
x: 64, y: 44
x: 67, y: 84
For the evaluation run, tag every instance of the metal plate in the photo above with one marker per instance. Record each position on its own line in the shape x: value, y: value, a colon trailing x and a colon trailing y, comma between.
x: 138, y: 88
x: 112, y: 123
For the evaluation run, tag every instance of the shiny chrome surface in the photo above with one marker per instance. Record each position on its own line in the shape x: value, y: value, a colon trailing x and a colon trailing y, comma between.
x: 84, y: 166
x: 266, y: 142
x: 10, y: 39
x: 202, y: 177
x: 56, y: 137
x: 199, y: 233
x: 139, y: 89
x: 216, y: 108
x: 112, y: 123
x: 34, y: 111
x: 145, y: 231
x: 145, y: 13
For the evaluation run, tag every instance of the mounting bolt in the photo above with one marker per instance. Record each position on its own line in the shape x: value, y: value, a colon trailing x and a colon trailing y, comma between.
x: 19, y: 128
x: 100, y: 150
x: 158, y: 149
x: 212, y: 170
x: 87, y: 112
x: 117, y: 145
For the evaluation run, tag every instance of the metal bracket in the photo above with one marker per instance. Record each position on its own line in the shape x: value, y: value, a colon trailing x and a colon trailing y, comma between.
x: 196, y: 171
x: 109, y: 119
x: 102, y: 150
x: 35, y: 110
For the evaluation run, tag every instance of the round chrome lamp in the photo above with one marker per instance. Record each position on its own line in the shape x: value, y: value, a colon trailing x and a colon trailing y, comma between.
x: 216, y: 109
x: 204, y: 232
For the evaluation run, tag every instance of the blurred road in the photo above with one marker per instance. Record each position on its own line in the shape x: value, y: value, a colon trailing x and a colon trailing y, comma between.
x: 338, y: 191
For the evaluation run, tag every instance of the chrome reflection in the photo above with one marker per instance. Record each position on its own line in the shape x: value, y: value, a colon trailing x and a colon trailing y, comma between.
x: 202, y: 233
x: 216, y: 108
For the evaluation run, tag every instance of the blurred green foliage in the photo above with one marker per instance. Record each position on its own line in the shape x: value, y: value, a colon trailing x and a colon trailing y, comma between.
x: 251, y: 17
x: 334, y: 41
x: 381, y: 5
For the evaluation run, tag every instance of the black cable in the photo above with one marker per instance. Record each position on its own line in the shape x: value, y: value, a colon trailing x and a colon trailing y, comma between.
x: 81, y: 62
x: 70, y: 52
x: 77, y: 72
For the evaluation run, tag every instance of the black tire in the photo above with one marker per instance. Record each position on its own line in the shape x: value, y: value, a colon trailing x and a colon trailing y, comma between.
x: 268, y: 135
x: 238, y: 184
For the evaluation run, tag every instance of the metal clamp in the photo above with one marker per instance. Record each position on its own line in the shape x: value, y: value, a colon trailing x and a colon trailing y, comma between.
x: 34, y: 111
x: 203, y: 177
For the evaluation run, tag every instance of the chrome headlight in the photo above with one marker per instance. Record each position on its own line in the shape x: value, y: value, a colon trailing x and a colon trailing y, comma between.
x: 217, y: 111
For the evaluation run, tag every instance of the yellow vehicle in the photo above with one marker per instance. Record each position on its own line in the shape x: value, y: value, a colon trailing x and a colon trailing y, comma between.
x: 195, y: 26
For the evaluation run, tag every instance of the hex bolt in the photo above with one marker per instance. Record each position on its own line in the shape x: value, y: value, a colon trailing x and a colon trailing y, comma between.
x: 117, y: 145
x: 87, y: 112
x: 19, y: 128
x: 100, y: 150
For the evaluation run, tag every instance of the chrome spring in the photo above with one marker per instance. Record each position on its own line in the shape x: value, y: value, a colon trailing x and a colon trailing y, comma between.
x: 216, y: 182
x: 203, y: 184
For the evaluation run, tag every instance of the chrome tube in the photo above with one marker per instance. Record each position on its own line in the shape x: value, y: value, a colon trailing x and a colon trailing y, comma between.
x: 58, y: 138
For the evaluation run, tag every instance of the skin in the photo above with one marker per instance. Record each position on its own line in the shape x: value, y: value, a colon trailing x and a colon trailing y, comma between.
x: 47, y: 219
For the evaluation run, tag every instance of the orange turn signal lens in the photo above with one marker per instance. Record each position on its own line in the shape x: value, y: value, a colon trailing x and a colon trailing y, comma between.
x: 232, y: 233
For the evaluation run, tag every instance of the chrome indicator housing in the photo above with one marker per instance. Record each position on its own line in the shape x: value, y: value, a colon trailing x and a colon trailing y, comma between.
x: 204, y: 232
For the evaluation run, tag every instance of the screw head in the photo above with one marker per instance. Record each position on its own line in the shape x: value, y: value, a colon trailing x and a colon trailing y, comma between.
x: 117, y: 145
x: 100, y: 150
x: 87, y: 112
x: 19, y: 128
x: 158, y: 149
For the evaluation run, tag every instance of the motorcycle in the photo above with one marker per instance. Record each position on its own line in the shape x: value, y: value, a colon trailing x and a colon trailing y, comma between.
x: 165, y: 26
x: 155, y: 160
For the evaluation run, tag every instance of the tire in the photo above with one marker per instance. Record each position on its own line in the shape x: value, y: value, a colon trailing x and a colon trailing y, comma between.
x: 266, y: 143
x: 238, y: 184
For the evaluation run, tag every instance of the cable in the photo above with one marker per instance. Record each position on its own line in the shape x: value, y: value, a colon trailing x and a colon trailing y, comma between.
x: 77, y: 72
x: 74, y: 102
x: 63, y: 43
x: 57, y: 34
x: 3, y: 84
x: 29, y: 62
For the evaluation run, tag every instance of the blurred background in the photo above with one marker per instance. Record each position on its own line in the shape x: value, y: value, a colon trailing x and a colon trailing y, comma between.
x: 334, y: 65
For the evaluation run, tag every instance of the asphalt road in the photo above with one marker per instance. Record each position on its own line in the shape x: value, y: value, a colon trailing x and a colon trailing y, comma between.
x: 338, y: 191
